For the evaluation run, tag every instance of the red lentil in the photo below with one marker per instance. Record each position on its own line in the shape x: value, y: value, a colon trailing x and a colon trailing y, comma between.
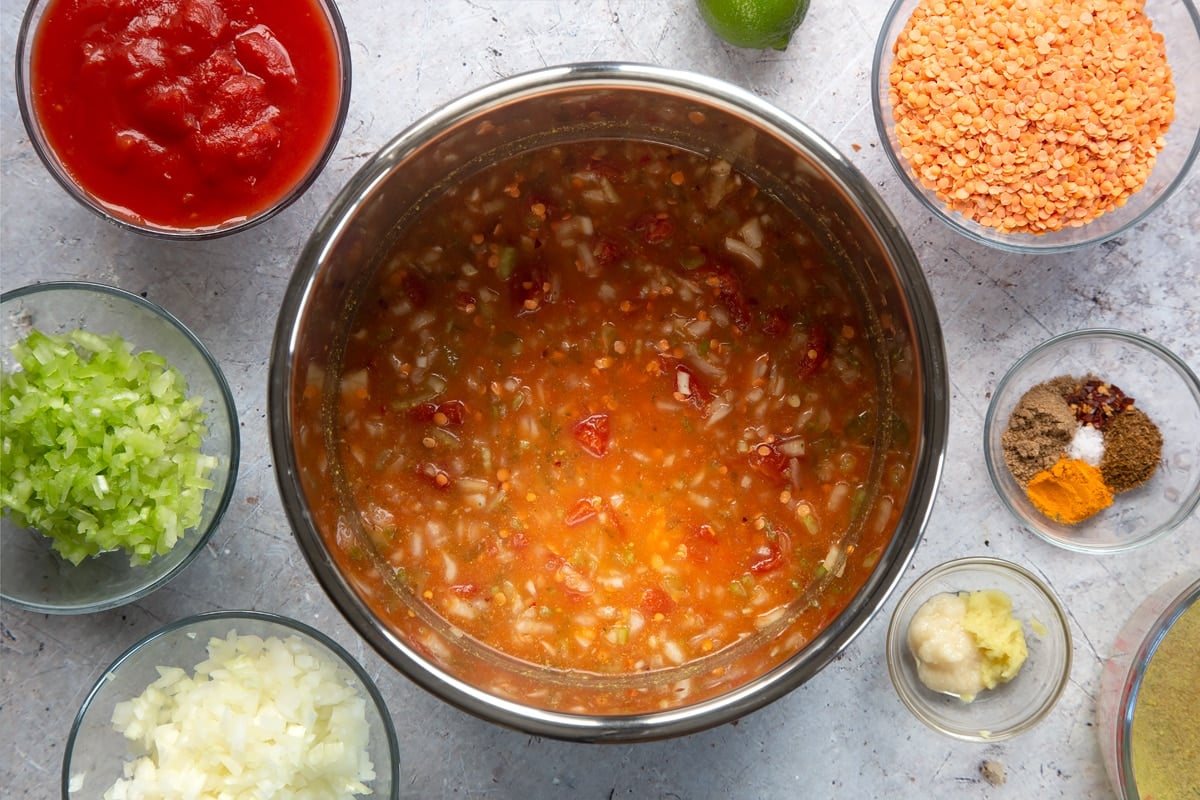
x: 1030, y: 116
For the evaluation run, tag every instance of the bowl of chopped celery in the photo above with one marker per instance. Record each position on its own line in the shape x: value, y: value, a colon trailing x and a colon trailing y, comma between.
x: 120, y: 444
x: 233, y: 704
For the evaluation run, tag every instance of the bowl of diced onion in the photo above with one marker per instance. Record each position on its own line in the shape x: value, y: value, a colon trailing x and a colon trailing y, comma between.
x: 121, y: 447
x: 233, y: 704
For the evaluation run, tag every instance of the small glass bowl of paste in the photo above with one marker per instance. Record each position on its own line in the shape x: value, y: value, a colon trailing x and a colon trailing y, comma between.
x: 979, y: 649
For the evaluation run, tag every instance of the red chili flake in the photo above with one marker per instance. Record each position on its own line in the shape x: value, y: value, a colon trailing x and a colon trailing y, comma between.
x: 655, y: 228
x: 655, y: 600
x: 592, y: 433
x: 583, y: 510
x: 606, y: 250
x: 815, y: 353
x: 769, y: 460
x: 423, y: 412
x: 1096, y: 402
x: 466, y: 302
x: 606, y: 171
x: 453, y: 412
x: 729, y: 291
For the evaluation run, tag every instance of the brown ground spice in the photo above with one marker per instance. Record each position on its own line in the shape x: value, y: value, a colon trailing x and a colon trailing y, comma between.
x: 1040, y: 428
x: 1132, y: 449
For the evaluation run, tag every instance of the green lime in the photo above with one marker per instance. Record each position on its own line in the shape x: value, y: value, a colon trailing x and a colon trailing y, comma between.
x: 757, y: 24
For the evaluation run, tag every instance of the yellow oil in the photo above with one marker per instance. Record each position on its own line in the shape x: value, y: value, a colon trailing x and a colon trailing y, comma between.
x: 1165, y: 740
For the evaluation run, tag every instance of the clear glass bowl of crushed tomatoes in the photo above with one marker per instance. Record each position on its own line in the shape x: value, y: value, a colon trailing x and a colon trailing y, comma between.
x: 1141, y: 489
x: 58, y: 462
x: 1012, y: 706
x: 241, y: 700
x: 625, y: 454
x: 997, y: 146
x: 229, y: 122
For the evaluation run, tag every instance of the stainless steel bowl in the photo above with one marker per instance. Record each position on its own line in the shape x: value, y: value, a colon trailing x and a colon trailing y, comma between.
x: 613, y: 101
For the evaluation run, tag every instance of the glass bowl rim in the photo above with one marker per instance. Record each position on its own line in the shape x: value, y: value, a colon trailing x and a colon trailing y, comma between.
x: 226, y: 403
x: 294, y: 625
x: 26, y: 36
x: 893, y: 650
x: 1024, y: 243
x: 994, y: 467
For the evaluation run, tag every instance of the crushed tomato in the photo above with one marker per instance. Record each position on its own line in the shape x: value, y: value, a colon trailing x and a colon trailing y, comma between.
x: 186, y: 114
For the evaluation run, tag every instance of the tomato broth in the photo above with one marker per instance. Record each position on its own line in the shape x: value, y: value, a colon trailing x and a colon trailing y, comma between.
x: 607, y: 408
x: 186, y: 114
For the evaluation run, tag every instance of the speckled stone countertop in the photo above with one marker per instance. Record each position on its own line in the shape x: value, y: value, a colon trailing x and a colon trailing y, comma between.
x: 843, y: 734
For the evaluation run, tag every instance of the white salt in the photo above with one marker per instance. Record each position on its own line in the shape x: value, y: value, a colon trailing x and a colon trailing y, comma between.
x: 1087, y: 445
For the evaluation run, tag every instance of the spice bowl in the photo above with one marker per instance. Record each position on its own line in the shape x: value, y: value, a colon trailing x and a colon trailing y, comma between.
x: 240, y: 700
x: 191, y: 484
x: 1163, y: 388
x: 1013, y: 706
x: 959, y: 151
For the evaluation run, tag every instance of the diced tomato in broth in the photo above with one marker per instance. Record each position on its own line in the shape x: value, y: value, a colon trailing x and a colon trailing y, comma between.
x: 629, y: 450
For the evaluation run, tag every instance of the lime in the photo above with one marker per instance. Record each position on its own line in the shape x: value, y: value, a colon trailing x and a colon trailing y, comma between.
x: 757, y: 24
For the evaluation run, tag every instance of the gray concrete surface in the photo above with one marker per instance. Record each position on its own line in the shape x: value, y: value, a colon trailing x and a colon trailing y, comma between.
x: 842, y: 735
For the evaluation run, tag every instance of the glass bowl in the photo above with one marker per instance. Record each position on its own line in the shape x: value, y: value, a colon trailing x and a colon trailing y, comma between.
x: 1123, y: 685
x: 1179, y: 24
x: 1013, y: 707
x: 34, y: 576
x: 149, y: 148
x: 1163, y: 387
x: 97, y: 751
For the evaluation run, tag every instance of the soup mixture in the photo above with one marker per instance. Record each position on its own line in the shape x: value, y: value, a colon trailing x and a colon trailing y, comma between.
x: 607, y: 407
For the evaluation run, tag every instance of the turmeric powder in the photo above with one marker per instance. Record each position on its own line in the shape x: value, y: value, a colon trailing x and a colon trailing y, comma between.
x: 1070, y: 491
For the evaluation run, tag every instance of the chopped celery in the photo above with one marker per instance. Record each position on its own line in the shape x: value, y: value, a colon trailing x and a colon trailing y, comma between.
x: 101, y: 446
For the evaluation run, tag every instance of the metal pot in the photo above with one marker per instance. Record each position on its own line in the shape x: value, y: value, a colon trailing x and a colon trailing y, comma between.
x: 593, y: 101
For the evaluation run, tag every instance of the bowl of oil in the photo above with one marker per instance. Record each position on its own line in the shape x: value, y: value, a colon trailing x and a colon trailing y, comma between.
x: 1147, y: 722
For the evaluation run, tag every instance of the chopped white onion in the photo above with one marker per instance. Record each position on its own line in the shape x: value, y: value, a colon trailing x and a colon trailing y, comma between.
x: 739, y: 248
x: 260, y: 718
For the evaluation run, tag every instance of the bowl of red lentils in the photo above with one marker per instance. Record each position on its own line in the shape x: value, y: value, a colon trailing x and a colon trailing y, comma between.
x: 1092, y: 440
x: 1039, y: 127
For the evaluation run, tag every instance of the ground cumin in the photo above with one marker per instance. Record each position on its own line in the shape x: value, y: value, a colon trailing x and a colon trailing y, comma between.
x: 1040, y: 428
x: 1070, y: 491
x: 1031, y: 115
x: 1132, y: 449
